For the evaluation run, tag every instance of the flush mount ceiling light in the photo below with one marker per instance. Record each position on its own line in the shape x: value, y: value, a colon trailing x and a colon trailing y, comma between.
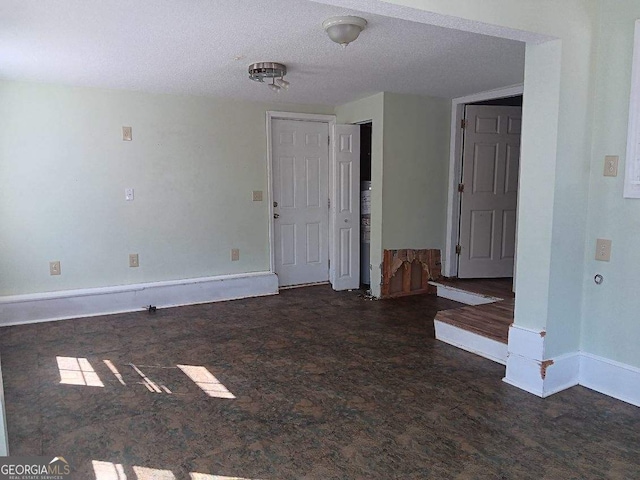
x: 344, y: 30
x: 273, y: 71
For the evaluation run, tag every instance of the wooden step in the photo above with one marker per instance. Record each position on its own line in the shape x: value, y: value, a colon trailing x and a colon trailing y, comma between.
x: 490, y: 320
x: 482, y: 327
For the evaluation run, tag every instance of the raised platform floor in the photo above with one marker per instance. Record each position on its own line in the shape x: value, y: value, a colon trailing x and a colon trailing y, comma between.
x: 482, y: 327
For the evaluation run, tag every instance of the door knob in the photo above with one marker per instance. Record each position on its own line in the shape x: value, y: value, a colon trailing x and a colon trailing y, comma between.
x: 275, y: 215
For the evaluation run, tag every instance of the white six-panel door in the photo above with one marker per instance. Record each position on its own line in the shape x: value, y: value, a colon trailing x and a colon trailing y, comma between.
x: 346, y: 208
x: 491, y: 162
x: 300, y: 190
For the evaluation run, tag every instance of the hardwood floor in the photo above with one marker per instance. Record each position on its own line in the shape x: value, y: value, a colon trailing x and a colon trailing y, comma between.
x: 491, y: 320
x: 493, y: 287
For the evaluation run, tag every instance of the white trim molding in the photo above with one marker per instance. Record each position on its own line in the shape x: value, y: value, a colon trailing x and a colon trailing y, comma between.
x: 450, y: 266
x: 4, y: 437
x: 611, y: 378
x: 91, y: 302
x: 471, y: 342
x: 530, y: 370
x: 463, y: 296
x: 632, y: 171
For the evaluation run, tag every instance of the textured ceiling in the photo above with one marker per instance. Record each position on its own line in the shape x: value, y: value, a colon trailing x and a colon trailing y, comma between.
x: 204, y: 47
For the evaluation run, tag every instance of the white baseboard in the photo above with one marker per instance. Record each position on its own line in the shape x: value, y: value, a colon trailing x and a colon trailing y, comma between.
x: 471, y: 342
x: 530, y: 370
x: 562, y: 374
x: 611, y: 378
x: 22, y: 309
x: 526, y: 342
x: 543, y: 378
x: 606, y: 376
x: 462, y: 296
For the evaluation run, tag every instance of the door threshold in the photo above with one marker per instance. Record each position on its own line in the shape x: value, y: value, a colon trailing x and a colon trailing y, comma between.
x: 313, y: 284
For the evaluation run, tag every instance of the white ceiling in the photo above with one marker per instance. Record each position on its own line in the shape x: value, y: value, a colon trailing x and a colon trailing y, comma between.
x: 204, y: 47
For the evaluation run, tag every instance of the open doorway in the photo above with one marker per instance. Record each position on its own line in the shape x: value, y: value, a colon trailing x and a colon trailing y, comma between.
x: 488, y: 188
x: 365, y: 204
x: 484, y: 171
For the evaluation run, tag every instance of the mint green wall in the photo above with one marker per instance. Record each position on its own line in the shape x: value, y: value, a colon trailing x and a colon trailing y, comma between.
x: 193, y: 163
x: 409, y: 159
x: 611, y: 326
x: 416, y: 167
x: 361, y: 111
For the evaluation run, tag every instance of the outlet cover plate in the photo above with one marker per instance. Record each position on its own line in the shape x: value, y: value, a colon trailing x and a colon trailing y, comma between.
x: 235, y: 254
x: 126, y: 134
x: 54, y: 268
x: 134, y: 260
x: 611, y: 166
x: 603, y: 250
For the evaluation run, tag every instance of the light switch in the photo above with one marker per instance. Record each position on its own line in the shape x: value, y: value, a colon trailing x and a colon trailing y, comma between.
x: 603, y: 250
x: 611, y: 166
x: 133, y: 260
x: 128, y: 194
x: 257, y: 195
x: 235, y: 254
x: 126, y: 134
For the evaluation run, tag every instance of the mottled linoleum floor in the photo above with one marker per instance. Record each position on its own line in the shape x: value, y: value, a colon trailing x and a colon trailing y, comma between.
x: 326, y: 386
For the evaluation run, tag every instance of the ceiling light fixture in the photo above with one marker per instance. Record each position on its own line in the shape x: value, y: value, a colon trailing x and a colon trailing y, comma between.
x: 344, y: 30
x: 260, y: 71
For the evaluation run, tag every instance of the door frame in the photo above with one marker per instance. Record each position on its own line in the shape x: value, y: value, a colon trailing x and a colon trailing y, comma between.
x: 455, y: 171
x: 330, y: 120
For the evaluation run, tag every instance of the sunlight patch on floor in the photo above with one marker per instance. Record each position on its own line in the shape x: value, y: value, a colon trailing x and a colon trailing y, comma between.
x: 115, y: 371
x: 108, y: 471
x: 115, y: 471
x: 147, y: 382
x: 206, y: 381
x: 143, y: 473
x: 77, y: 371
x: 205, y: 476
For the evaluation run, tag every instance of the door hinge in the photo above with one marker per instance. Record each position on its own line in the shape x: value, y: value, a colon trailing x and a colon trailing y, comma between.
x: 458, y: 249
x: 328, y: 140
x: 461, y: 187
x: 463, y: 123
x: 329, y: 203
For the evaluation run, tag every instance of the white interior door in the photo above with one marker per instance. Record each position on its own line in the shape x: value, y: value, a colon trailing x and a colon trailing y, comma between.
x: 300, y: 172
x: 490, y: 167
x: 345, y: 272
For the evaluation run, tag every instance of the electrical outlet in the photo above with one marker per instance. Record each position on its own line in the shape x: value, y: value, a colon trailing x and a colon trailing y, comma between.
x: 54, y: 268
x: 611, y: 166
x: 133, y: 260
x: 128, y: 194
x: 126, y: 134
x: 235, y: 254
x: 257, y: 195
x: 603, y: 250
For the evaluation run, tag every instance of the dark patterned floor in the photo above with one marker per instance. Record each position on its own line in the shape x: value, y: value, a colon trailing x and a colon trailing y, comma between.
x: 326, y: 385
